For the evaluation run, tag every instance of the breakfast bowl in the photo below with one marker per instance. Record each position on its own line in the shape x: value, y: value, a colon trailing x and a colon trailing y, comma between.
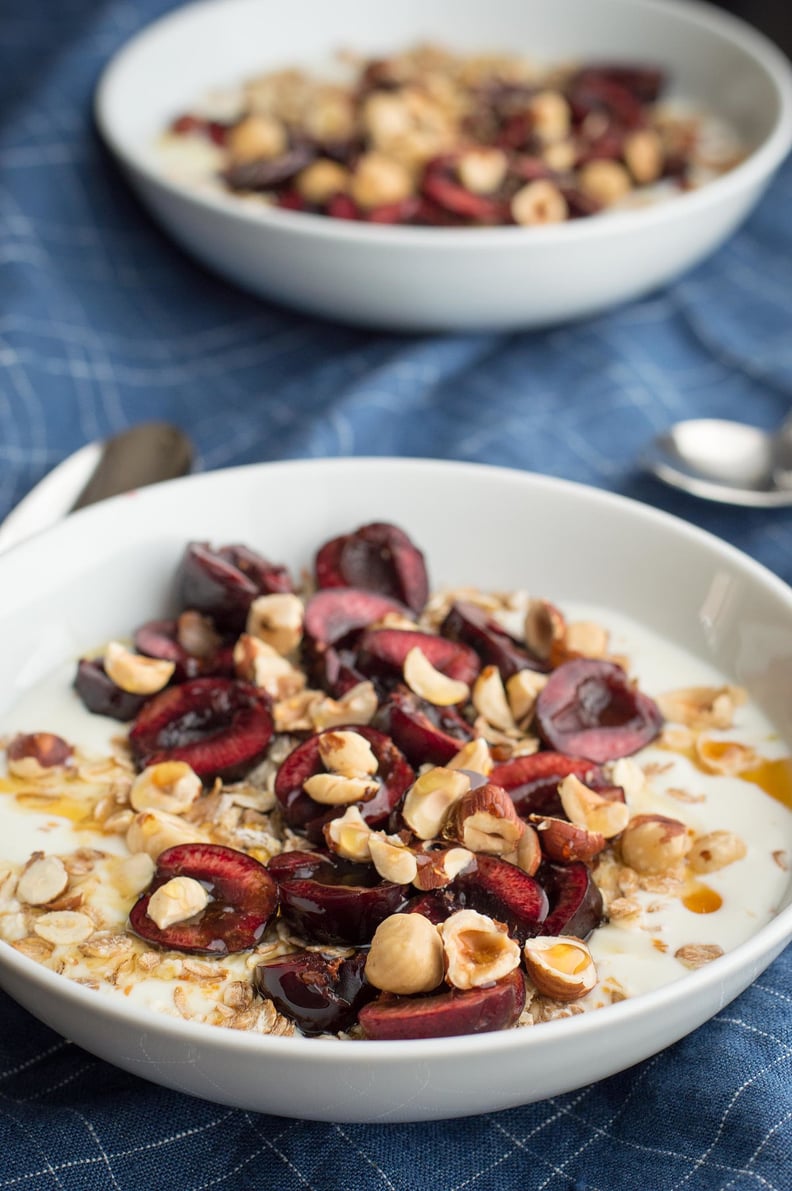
x: 684, y: 612
x: 438, y: 278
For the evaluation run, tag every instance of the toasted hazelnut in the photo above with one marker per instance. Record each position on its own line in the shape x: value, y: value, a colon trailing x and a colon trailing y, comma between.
x: 522, y: 691
x: 321, y: 180
x: 543, y: 627
x: 627, y: 774
x: 277, y: 620
x: 588, y: 809
x: 331, y: 789
x: 380, y: 179
x: 437, y: 868
x: 349, y: 835
x: 43, y: 879
x: 489, y: 699
x: 715, y: 851
x: 430, y: 798
x: 643, y: 155
x: 357, y: 706
x: 475, y: 757
x: 477, y: 949
x: 259, y: 663
x: 725, y: 756
x: 563, y: 842
x: 176, y: 901
x: 153, y: 831
x: 560, y: 966
x: 702, y: 707
x: 32, y: 755
x: 482, y: 169
x: 331, y: 117
x: 347, y: 753
x: 587, y: 638
x: 528, y: 853
x: 550, y: 115
x: 406, y: 955
x: 171, y: 786
x: 64, y: 927
x: 392, y: 859
x: 484, y: 820
x: 196, y: 634
x: 560, y: 156
x: 604, y: 181
x: 653, y: 843
x: 386, y: 117
x: 537, y: 203
x: 257, y: 137
x: 424, y: 680
x: 135, y: 673
x: 133, y: 874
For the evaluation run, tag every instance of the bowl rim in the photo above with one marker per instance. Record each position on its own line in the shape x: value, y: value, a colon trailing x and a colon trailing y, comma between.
x: 749, y: 957
x: 756, y: 167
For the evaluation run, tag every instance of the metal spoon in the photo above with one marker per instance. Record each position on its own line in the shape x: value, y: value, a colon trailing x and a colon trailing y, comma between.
x: 726, y: 461
x: 141, y: 455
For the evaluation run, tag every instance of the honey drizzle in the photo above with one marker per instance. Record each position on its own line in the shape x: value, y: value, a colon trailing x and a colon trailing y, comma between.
x: 700, y: 899
x: 772, y: 776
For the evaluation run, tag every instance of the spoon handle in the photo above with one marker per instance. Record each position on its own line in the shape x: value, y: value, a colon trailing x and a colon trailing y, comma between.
x: 144, y: 454
x: 782, y: 454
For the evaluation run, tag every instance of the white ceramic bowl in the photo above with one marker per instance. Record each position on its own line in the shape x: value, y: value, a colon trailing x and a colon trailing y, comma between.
x: 427, y: 278
x: 109, y: 567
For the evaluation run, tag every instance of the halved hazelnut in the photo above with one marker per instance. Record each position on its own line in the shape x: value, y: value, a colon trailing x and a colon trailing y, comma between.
x: 528, y: 853
x: 643, y: 155
x: 489, y: 699
x: 605, y: 181
x: 43, y: 879
x: 587, y: 638
x: 475, y: 756
x: 153, y: 831
x: 133, y: 672
x: 522, y: 690
x: 171, y: 786
x: 482, y: 169
x: 349, y: 835
x: 725, y: 756
x: 196, y: 634
x: 133, y: 874
x: 550, y: 115
x: 406, y: 955
x: 538, y: 203
x: 33, y: 755
x: 654, y: 843
x: 257, y: 137
x: 543, y: 627
x: 560, y: 966
x: 331, y: 789
x: 261, y: 664
x: 437, y: 868
x: 277, y: 620
x: 477, y: 949
x: 431, y: 797
x: 392, y: 859
x: 564, y: 842
x: 176, y: 901
x: 347, y: 753
x: 702, y: 707
x: 431, y: 684
x: 357, y: 706
x: 588, y: 809
x: 629, y: 775
x: 715, y: 850
x: 380, y: 179
x: 321, y: 180
x: 484, y: 820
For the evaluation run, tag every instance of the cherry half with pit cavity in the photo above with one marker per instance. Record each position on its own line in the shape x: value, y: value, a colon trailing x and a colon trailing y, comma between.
x: 495, y: 1006
x: 321, y: 994
x: 378, y: 557
x: 222, y: 583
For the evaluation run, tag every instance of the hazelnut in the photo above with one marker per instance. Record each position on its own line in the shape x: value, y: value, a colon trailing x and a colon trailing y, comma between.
x: 431, y: 684
x: 560, y: 966
x: 347, y: 753
x: 392, y: 859
x: 43, y: 879
x: 475, y: 757
x: 587, y: 638
x: 482, y: 169
x: 196, y: 634
x: 257, y: 137
x: 153, y: 831
x: 725, y: 756
x: 715, y: 851
x: 550, y: 115
x: 543, y: 627
x: 522, y: 691
x: 277, y: 620
x: 36, y: 754
x: 528, y: 853
x: 380, y: 179
x: 437, y: 868
x: 357, y: 706
x: 643, y: 155
x: 489, y: 699
x: 477, y: 949
x: 331, y: 789
x: 702, y: 707
x: 430, y: 798
x: 564, y: 842
x: 560, y: 156
x: 604, y: 181
x: 171, y: 786
x: 537, y: 203
x: 176, y: 901
x: 133, y: 874
x: 653, y: 843
x: 135, y: 673
x: 349, y: 835
x: 406, y: 955
x: 484, y: 820
x: 588, y: 809
x: 259, y: 663
x: 321, y: 180
x: 331, y: 117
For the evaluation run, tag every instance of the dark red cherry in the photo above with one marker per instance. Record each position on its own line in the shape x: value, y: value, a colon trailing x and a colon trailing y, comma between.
x: 219, y: 726
x: 302, y: 813
x: 378, y: 557
x: 335, y: 612
x: 423, y: 732
x: 575, y: 901
x: 471, y: 625
x: 533, y: 781
x: 475, y: 1011
x: 266, y: 173
x: 440, y: 186
x: 222, y: 583
x: 242, y: 900
x: 340, y: 902
x: 321, y: 994
x: 504, y: 892
x: 381, y: 653
x: 100, y: 694
x: 160, y: 639
x: 589, y: 708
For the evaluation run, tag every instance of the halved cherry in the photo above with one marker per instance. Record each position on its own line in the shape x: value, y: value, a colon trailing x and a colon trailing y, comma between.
x: 100, y: 694
x: 340, y: 902
x: 301, y: 812
x: 533, y: 781
x: 243, y: 898
x: 471, y: 625
x: 335, y: 612
x: 441, y: 187
x: 502, y: 891
x: 423, y: 732
x: 160, y: 639
x: 219, y: 726
x: 378, y: 557
x: 321, y: 994
x: 575, y: 901
x: 475, y: 1011
x: 589, y: 708
x: 223, y: 582
x: 266, y: 173
x: 381, y: 654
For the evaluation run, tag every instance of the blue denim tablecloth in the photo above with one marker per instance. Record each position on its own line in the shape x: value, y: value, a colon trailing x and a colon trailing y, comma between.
x: 104, y: 323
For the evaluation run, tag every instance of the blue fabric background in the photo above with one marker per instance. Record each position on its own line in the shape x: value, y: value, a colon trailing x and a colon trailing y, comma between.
x: 104, y: 323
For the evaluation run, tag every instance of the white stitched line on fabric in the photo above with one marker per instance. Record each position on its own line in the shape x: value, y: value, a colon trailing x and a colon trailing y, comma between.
x: 17, y: 1180
x: 44, y: 1054
x: 787, y: 1116
x: 36, y: 1146
x: 374, y: 1165
x: 70, y: 1078
x: 774, y: 992
x: 95, y: 1136
x: 182, y: 1135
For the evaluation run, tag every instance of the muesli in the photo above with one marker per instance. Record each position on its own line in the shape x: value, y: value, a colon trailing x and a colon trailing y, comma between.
x: 432, y: 138
x: 349, y: 807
